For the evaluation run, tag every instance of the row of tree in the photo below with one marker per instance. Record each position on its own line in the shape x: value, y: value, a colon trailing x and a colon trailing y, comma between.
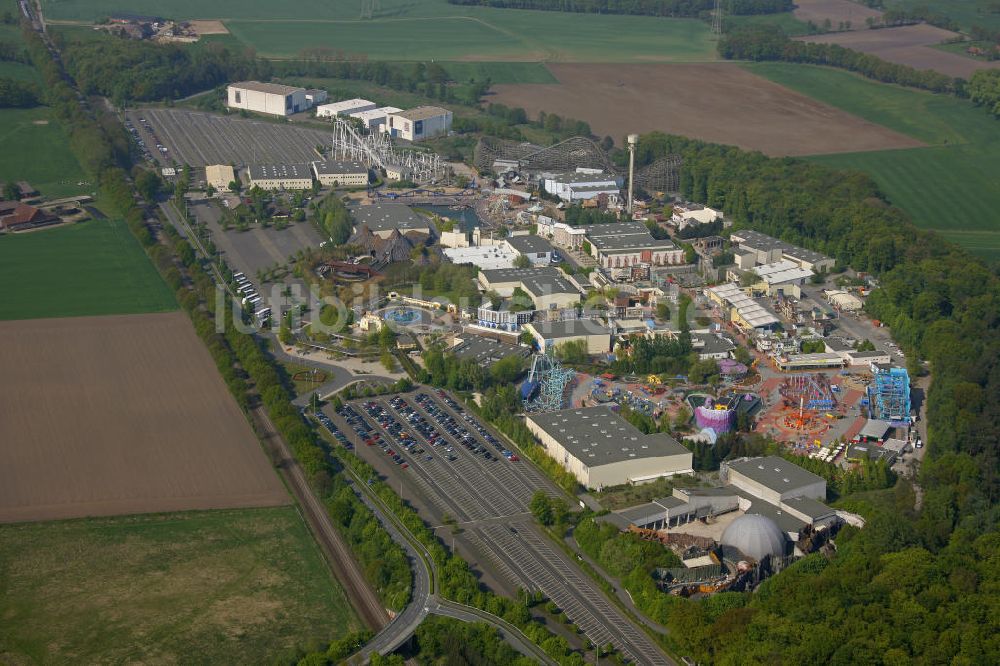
x: 760, y: 42
x: 984, y: 90
x: 671, y: 8
x: 18, y: 94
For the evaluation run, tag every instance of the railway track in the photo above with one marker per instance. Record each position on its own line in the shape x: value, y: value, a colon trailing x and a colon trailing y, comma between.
x: 342, y: 563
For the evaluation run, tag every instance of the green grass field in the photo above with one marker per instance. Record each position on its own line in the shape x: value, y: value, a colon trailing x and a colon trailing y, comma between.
x: 499, y: 72
x: 785, y: 20
x: 35, y: 147
x: 952, y: 186
x: 966, y: 12
x: 91, y: 268
x: 429, y: 29
x: 218, y: 587
x: 19, y: 71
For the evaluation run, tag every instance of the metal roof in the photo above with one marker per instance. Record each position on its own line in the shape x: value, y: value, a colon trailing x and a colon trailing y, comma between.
x: 269, y: 88
x: 598, y: 436
x: 569, y: 328
x: 421, y: 113
x: 334, y: 167
x: 529, y: 243
x: 384, y: 217
x: 775, y: 473
x: 281, y: 171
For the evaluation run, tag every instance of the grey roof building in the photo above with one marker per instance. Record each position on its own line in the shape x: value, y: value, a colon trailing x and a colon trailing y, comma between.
x: 528, y: 244
x: 383, y: 219
x: 775, y: 479
x: 602, y: 449
x: 486, y: 351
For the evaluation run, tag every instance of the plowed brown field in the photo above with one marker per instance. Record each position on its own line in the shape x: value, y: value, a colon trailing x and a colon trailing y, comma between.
x: 719, y: 102
x: 122, y: 414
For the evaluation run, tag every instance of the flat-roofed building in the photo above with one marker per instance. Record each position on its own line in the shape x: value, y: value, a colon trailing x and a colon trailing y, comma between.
x: 483, y: 257
x: 374, y: 119
x: 271, y: 98
x: 339, y: 173
x: 281, y: 176
x: 385, y: 219
x: 535, y: 248
x: 344, y: 108
x: 768, y: 250
x: 601, y: 449
x: 219, y: 176
x: 486, y: 351
x: 740, y: 308
x: 550, y: 334
x: 783, y: 278
x: 624, y: 244
x: 581, y: 185
x: 775, y: 479
x: 548, y: 287
x: 423, y: 122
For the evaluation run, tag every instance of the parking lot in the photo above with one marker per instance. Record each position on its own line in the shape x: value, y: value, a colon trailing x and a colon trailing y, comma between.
x: 178, y: 136
x: 429, y: 442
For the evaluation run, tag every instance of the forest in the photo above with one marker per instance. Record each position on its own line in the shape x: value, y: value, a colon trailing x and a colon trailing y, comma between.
x: 18, y: 94
x: 758, y: 42
x: 916, y: 584
x: 668, y: 8
x: 984, y: 90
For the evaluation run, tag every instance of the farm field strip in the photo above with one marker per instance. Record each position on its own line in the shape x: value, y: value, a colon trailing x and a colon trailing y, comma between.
x: 722, y: 103
x: 89, y: 268
x: 229, y: 586
x: 951, y: 186
x: 907, y: 45
x: 121, y: 414
x: 34, y: 146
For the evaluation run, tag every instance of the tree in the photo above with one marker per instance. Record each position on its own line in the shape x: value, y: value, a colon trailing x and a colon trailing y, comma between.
x: 522, y: 261
x: 663, y: 310
x: 541, y: 508
x: 234, y: 186
x: 573, y: 352
x: 526, y: 338
x: 11, y: 191
x: 387, y: 360
x: 148, y: 183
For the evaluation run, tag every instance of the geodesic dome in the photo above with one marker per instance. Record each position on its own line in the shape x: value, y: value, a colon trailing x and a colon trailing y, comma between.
x: 755, y: 536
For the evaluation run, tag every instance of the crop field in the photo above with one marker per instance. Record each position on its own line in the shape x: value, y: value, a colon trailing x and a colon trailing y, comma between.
x: 19, y: 72
x: 90, y: 268
x: 121, y: 414
x: 721, y: 102
x: 214, y: 587
x: 499, y: 72
x: 911, y: 45
x: 966, y: 12
x: 429, y: 29
x: 35, y: 147
x: 952, y: 185
x: 835, y: 11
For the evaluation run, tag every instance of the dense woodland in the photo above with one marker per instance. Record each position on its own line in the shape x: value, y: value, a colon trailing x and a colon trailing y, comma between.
x: 771, y: 43
x: 671, y: 8
x: 911, y: 587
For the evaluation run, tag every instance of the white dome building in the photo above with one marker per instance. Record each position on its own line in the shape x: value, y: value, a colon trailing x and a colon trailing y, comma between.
x: 755, y: 536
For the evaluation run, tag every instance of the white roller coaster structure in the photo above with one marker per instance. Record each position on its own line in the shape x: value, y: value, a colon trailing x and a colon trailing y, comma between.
x: 375, y: 150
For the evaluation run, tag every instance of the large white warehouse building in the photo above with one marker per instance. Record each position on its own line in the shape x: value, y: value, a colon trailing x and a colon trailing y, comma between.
x: 344, y: 108
x: 420, y: 123
x: 270, y: 98
x: 602, y: 449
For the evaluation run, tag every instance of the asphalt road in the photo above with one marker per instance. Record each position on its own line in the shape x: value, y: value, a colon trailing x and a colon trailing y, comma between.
x: 489, y: 500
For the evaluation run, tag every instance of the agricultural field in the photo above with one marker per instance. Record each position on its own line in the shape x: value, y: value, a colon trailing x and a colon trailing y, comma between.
x: 430, y: 29
x: 911, y: 45
x: 966, y: 12
x: 836, y: 12
x: 618, y: 99
x: 19, y: 72
x: 121, y: 414
x: 35, y: 147
x: 231, y: 586
x: 952, y: 185
x: 90, y: 268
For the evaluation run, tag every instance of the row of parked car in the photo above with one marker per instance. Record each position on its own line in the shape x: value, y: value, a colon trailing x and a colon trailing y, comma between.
x: 332, y: 428
x: 459, y: 431
x: 404, y: 440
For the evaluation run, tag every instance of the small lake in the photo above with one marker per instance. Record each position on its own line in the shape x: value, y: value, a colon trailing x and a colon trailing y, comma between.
x: 466, y: 218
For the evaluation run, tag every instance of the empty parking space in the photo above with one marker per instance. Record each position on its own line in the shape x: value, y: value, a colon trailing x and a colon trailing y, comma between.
x: 178, y: 136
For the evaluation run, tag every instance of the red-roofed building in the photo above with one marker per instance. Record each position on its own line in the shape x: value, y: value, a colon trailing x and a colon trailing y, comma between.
x: 24, y: 217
